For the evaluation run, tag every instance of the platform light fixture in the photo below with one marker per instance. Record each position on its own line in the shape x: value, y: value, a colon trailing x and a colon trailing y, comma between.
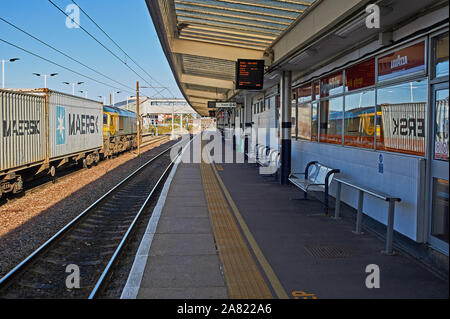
x: 3, y: 69
x: 352, y: 26
x: 303, y: 55
x: 45, y: 77
x: 73, y: 85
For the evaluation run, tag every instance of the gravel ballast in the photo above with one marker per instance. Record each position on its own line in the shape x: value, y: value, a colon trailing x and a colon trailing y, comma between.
x: 28, y: 222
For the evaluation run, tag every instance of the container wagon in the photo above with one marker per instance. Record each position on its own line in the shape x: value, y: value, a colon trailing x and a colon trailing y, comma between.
x: 42, y: 130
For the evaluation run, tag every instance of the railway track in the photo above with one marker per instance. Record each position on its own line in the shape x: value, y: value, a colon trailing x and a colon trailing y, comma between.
x: 90, y: 243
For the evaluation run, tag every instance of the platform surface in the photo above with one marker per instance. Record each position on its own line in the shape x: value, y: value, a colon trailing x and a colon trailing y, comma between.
x: 220, y: 220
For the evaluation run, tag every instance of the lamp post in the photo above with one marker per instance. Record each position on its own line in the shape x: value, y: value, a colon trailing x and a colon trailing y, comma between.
x: 85, y: 94
x: 45, y: 77
x: 104, y: 99
x: 3, y: 69
x: 128, y: 98
x: 114, y: 97
x: 73, y: 85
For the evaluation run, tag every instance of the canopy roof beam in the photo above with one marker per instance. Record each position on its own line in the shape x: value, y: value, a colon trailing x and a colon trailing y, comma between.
x: 211, y: 50
x: 205, y: 94
x: 205, y: 81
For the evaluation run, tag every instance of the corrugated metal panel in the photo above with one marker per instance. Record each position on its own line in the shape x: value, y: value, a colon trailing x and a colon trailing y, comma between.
x: 400, y: 132
x: 76, y: 124
x: 22, y: 130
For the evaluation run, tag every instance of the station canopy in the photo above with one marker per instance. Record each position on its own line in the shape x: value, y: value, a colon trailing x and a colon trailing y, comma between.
x: 203, y: 39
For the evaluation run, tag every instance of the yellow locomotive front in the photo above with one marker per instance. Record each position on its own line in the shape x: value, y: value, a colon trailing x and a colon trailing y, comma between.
x: 119, y: 130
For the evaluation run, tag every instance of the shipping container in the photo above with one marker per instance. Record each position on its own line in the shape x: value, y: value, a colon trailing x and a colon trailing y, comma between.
x: 42, y: 128
x: 76, y: 125
x: 22, y: 128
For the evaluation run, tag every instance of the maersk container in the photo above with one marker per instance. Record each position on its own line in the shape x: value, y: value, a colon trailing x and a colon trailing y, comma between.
x: 44, y: 126
x: 22, y: 120
x: 76, y: 125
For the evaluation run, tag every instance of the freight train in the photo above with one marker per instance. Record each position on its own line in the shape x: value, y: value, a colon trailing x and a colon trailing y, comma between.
x: 43, y: 130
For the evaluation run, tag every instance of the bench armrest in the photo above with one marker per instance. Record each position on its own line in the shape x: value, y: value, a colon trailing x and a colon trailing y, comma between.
x: 307, y: 168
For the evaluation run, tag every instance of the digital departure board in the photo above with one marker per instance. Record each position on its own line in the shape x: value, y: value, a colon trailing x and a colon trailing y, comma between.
x: 249, y: 74
x: 211, y: 104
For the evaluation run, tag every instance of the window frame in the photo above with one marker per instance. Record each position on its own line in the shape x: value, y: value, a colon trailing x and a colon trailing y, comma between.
x: 415, y: 76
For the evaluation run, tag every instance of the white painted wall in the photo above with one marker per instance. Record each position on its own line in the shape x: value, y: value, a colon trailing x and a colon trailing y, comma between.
x: 403, y: 177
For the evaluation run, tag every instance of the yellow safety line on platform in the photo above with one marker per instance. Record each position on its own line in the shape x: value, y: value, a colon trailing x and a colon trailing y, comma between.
x: 244, y: 280
x: 272, y: 277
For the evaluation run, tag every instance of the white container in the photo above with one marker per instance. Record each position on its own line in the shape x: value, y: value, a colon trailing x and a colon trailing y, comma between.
x: 22, y: 130
x: 76, y: 125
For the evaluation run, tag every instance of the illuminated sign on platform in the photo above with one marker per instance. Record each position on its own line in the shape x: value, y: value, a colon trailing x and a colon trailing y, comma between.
x: 249, y: 74
x: 221, y: 105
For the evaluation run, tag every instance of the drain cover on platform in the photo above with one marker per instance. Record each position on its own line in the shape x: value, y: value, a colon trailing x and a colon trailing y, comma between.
x: 328, y: 252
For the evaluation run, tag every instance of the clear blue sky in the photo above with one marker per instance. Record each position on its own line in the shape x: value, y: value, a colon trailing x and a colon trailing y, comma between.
x: 127, y: 22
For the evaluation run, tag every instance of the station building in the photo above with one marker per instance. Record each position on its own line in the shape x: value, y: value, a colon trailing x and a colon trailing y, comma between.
x: 155, y: 111
x: 370, y: 101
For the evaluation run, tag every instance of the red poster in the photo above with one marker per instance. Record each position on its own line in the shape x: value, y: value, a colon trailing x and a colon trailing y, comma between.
x: 360, y: 75
x: 405, y: 61
x: 331, y: 84
x: 305, y: 93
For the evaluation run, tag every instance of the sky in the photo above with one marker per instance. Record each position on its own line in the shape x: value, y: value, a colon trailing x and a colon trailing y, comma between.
x: 127, y: 22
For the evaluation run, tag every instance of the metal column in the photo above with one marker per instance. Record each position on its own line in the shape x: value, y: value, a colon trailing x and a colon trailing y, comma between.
x: 247, y: 121
x: 285, y: 126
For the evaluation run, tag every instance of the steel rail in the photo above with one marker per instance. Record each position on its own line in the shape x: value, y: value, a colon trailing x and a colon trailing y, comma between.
x: 19, y: 267
x: 130, y: 229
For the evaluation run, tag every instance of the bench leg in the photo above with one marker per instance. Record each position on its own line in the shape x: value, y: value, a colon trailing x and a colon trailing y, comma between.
x: 390, y: 229
x: 359, y: 213
x: 337, y: 210
x: 325, y: 200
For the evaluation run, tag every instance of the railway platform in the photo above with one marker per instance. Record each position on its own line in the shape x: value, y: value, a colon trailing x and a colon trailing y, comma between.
x: 224, y: 231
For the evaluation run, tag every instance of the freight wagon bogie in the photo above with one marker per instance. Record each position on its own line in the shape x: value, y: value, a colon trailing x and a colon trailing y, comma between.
x: 11, y: 183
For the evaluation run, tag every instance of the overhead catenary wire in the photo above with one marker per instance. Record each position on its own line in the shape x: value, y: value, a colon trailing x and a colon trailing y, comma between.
x: 120, y: 48
x: 64, y: 54
x: 59, y: 65
x: 99, y: 42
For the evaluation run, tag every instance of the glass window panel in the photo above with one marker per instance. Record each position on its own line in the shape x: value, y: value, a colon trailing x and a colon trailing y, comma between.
x: 401, y: 117
x: 305, y: 93
x: 314, y: 122
x: 441, y: 127
x: 332, y: 84
x: 331, y: 119
x: 360, y: 76
x: 402, y: 62
x: 441, y: 56
x: 304, y: 121
x: 316, y: 93
x: 440, y: 226
x: 359, y: 126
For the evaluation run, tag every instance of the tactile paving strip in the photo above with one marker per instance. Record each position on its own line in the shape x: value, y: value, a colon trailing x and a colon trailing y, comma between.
x: 244, y: 280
